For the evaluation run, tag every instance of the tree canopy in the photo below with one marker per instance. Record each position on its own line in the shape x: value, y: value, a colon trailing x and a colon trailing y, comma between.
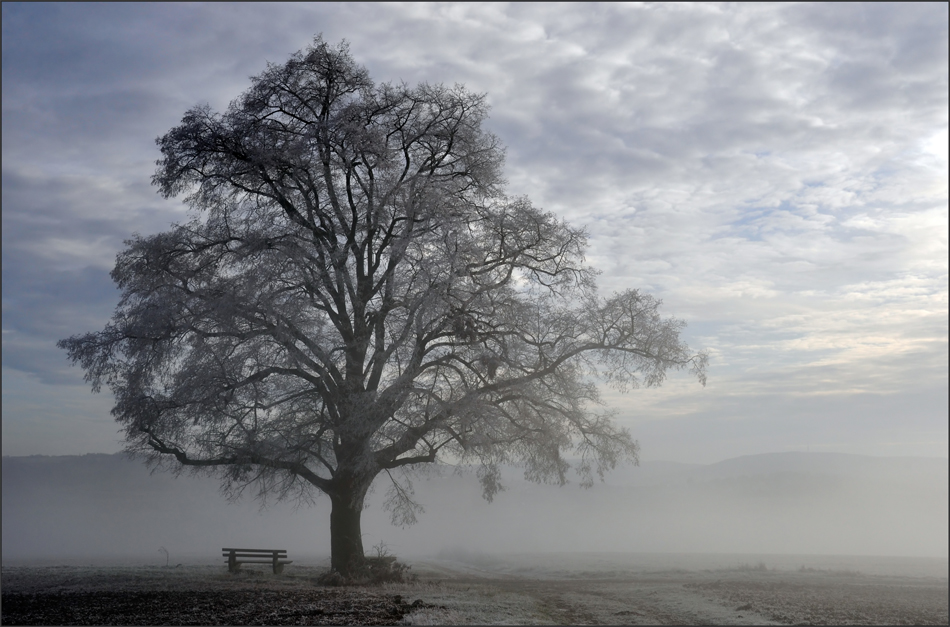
x: 354, y: 293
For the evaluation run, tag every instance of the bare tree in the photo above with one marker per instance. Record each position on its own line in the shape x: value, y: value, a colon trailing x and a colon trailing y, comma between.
x: 354, y: 295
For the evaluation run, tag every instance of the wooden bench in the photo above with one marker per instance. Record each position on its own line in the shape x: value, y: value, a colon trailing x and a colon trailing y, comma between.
x: 236, y: 557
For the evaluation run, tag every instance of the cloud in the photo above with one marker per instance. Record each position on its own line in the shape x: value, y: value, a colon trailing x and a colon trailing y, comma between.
x: 776, y: 173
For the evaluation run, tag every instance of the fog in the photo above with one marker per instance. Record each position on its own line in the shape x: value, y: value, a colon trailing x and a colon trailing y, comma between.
x: 108, y: 507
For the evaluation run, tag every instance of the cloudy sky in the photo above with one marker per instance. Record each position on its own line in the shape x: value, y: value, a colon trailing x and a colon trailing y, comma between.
x: 777, y: 174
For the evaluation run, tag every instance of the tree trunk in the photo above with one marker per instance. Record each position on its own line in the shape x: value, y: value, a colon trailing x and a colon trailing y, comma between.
x: 346, y: 535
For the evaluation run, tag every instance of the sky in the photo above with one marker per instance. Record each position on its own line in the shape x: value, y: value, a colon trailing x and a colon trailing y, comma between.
x: 776, y: 174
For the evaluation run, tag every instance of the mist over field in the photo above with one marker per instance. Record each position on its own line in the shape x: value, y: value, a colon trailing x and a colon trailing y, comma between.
x: 107, y: 507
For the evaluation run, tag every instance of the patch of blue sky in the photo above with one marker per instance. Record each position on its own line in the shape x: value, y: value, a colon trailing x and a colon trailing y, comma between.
x: 749, y: 224
x: 756, y: 222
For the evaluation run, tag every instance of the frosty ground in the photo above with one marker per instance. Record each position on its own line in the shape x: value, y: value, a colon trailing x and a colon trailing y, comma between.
x: 481, y: 589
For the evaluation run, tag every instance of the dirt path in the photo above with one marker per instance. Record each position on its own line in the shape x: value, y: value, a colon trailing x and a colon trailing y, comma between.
x: 720, y: 598
x: 640, y: 602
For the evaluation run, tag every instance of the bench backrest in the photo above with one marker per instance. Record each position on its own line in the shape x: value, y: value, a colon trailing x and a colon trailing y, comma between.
x: 253, y: 552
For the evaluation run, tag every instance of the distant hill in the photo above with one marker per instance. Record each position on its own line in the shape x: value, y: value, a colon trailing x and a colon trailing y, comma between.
x: 828, y: 463
x: 835, y: 464
x: 816, y: 503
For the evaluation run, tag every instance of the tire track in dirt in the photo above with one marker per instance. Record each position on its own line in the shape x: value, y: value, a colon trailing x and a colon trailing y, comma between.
x: 628, y: 602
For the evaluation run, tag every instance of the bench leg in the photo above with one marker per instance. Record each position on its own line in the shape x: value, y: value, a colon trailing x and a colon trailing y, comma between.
x: 233, y: 564
x: 278, y: 569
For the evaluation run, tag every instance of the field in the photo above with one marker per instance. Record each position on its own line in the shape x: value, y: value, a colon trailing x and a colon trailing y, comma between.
x: 466, y: 588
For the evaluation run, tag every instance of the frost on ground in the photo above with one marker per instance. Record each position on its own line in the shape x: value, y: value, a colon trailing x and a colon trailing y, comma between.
x: 833, y: 599
x: 456, y: 593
